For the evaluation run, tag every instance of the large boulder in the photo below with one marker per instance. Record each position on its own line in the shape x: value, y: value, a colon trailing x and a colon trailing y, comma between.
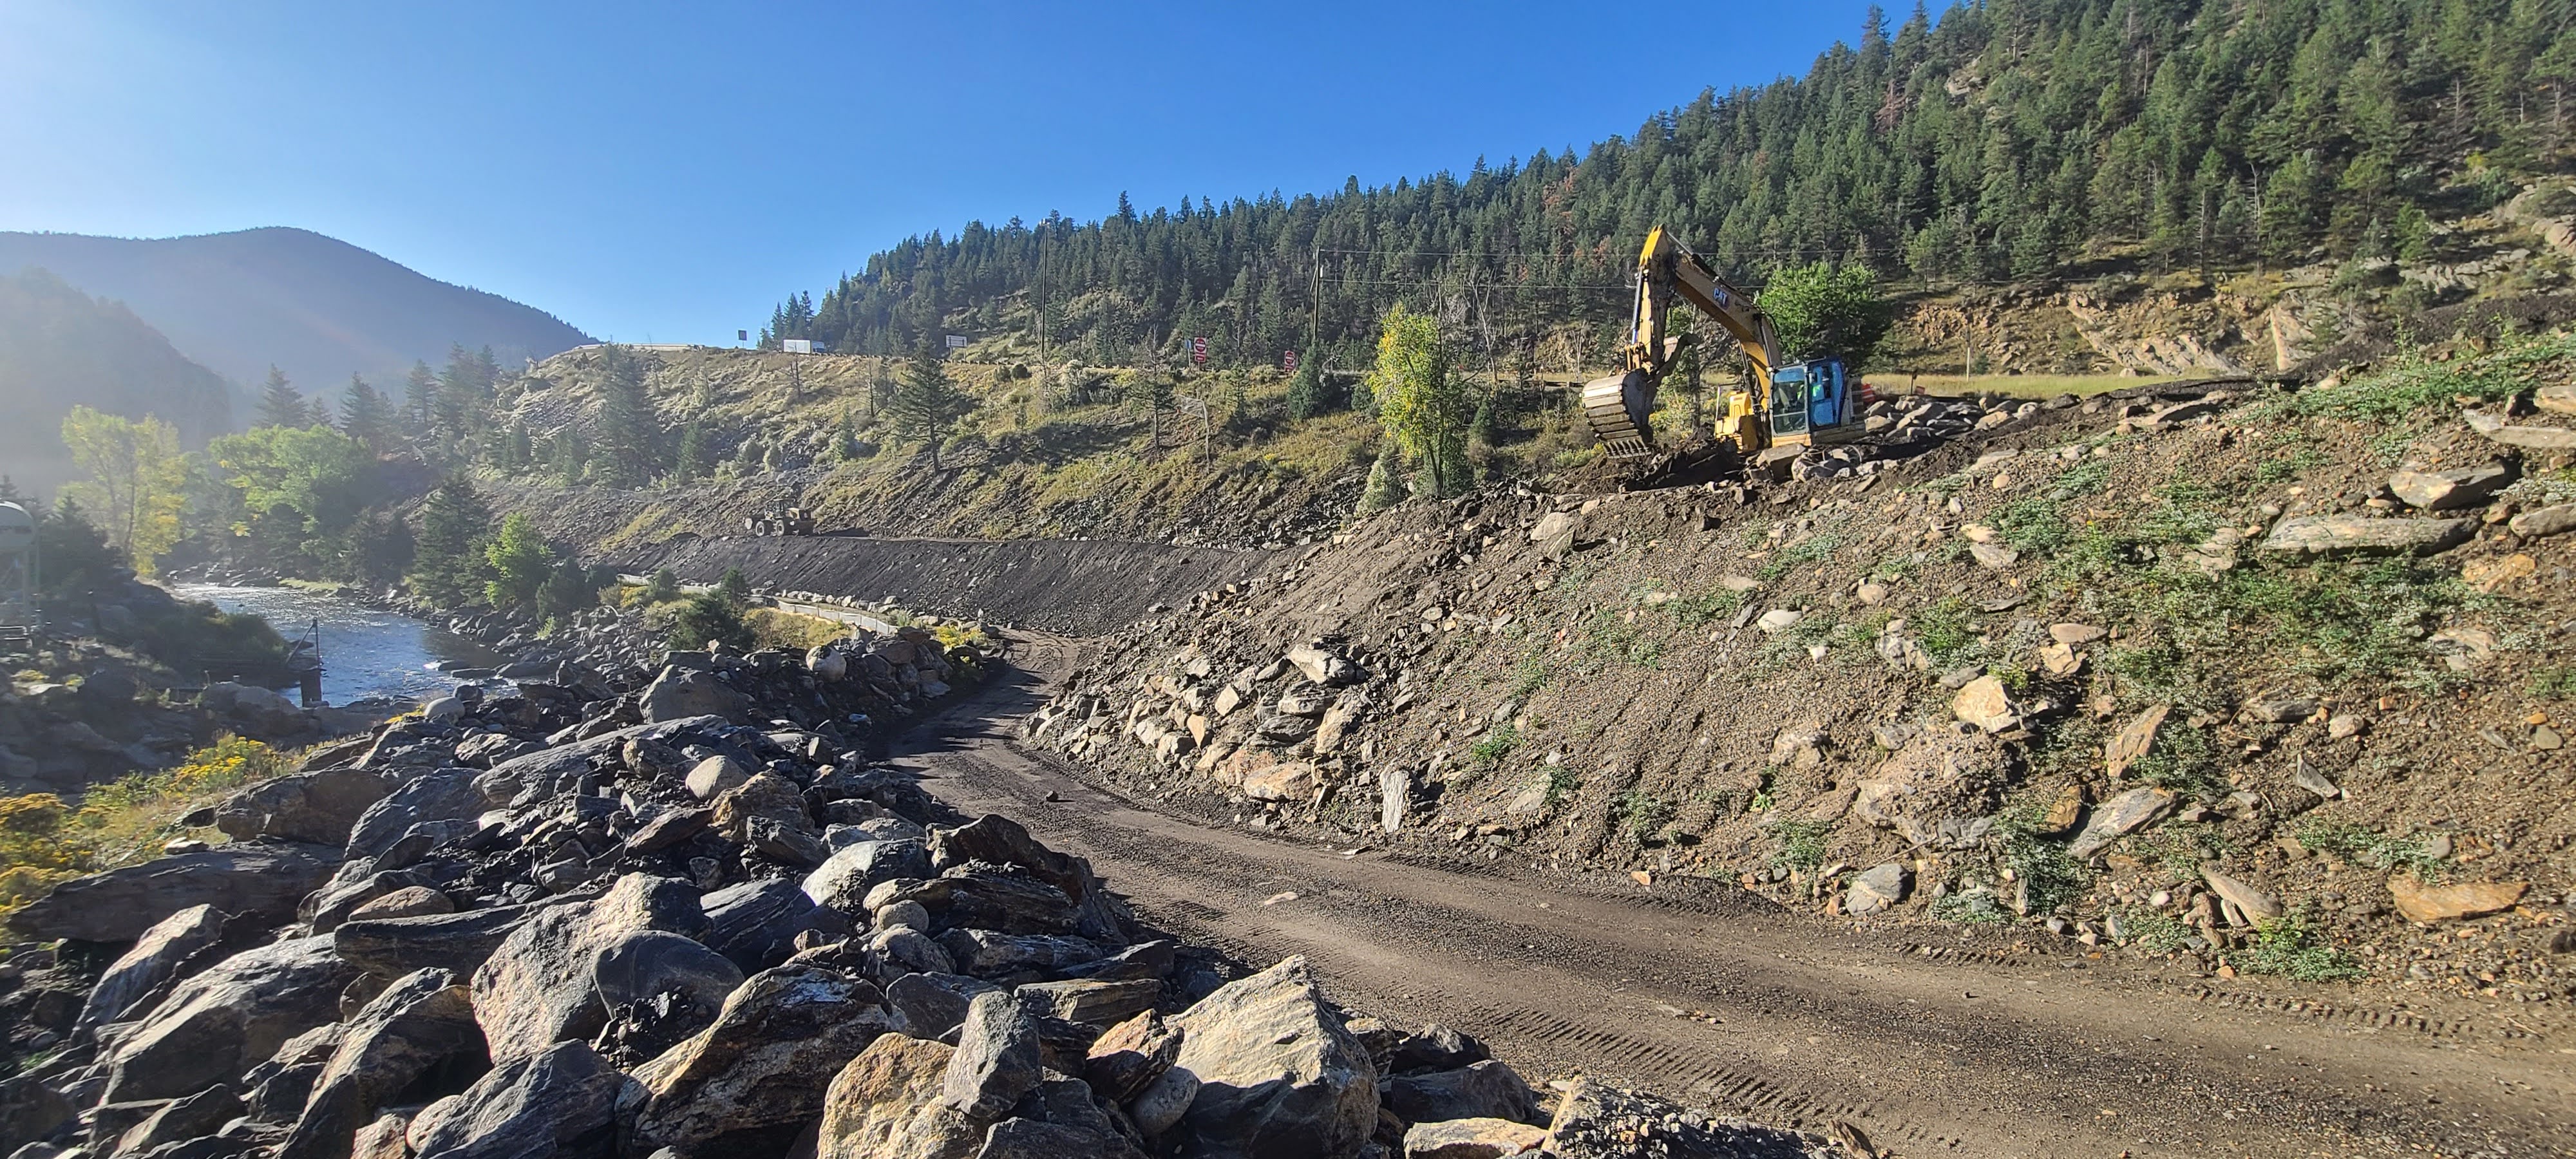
x: 254, y: 711
x: 650, y: 963
x: 1943, y: 775
x: 393, y: 947
x: 764, y: 1063
x: 219, y: 1023
x: 843, y: 881
x: 153, y: 959
x: 257, y: 883
x: 558, y: 770
x: 997, y: 1059
x: 1484, y: 1090
x: 1472, y: 1139
x: 1128, y: 1057
x: 2119, y: 817
x: 437, y: 795
x: 318, y: 808
x: 885, y: 1105
x: 558, y: 1103
x: 1277, y: 1073
x: 538, y: 988
x: 756, y: 923
x: 678, y: 694
x: 420, y: 1021
x: 929, y: 1004
x: 2449, y: 490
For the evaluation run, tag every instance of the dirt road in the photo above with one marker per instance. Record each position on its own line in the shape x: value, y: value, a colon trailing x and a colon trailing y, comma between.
x: 1723, y: 1001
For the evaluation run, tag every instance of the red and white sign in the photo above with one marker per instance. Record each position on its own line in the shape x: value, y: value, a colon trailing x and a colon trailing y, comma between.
x: 1287, y: 362
x: 1198, y: 350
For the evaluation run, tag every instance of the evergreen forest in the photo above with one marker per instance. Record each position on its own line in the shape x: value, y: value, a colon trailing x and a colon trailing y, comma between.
x: 2010, y: 141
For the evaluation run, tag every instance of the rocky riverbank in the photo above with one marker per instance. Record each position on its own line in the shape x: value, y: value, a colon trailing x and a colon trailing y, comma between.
x: 688, y: 916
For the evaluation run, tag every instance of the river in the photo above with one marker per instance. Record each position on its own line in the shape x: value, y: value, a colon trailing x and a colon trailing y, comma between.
x: 365, y: 652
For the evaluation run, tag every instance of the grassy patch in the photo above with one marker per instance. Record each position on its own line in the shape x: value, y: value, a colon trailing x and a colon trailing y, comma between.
x: 2034, y: 526
x: 1607, y: 633
x: 2291, y: 947
x: 2554, y: 683
x: 1700, y: 608
x: 2415, y: 381
x: 2154, y: 932
x: 1496, y: 745
x: 1800, y: 845
x: 795, y: 631
x: 1561, y: 781
x: 1530, y: 675
x: 2184, y: 761
x: 1947, y: 632
x: 1971, y: 907
x: 2361, y: 846
x: 2049, y: 876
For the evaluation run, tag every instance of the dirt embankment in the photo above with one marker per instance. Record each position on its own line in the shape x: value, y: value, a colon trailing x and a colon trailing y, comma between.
x: 1080, y: 587
x: 2059, y: 689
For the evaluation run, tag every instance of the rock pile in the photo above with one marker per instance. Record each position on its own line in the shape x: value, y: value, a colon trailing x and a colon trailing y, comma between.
x: 548, y: 923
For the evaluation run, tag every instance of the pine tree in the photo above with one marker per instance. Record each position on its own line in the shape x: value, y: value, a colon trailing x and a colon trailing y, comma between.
x: 280, y: 404
x: 693, y: 461
x: 448, y: 552
x: 626, y: 427
x: 1305, y: 393
x: 420, y: 401
x: 925, y: 401
x: 519, y: 561
x: 365, y: 416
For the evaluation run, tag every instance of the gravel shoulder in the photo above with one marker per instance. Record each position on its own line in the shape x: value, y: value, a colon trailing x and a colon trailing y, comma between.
x: 1724, y: 1000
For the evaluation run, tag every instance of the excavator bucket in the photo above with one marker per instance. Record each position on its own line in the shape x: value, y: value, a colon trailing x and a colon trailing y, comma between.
x: 1618, y: 408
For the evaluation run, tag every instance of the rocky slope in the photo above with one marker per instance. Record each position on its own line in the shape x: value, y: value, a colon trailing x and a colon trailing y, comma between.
x: 692, y: 918
x: 2269, y: 682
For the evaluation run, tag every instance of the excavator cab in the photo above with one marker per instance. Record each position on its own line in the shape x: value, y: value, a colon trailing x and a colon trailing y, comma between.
x: 1810, y: 402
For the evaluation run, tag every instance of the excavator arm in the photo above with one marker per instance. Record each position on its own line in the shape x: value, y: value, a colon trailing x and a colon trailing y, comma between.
x: 1618, y: 405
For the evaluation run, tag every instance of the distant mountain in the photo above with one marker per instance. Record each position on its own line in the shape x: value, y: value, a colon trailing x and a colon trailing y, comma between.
x: 59, y: 346
x: 316, y: 307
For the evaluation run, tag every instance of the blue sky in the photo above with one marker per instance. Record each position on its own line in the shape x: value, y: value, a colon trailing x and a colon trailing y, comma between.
x: 667, y: 172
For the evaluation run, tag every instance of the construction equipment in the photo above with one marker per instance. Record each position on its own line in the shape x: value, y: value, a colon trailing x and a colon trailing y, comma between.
x: 1798, y: 404
x: 780, y: 521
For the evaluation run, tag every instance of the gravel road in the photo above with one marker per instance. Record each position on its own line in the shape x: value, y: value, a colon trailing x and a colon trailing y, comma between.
x: 1720, y: 999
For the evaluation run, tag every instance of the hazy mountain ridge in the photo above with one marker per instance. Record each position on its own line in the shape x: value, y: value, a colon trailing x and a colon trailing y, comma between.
x: 59, y: 346
x: 315, y: 306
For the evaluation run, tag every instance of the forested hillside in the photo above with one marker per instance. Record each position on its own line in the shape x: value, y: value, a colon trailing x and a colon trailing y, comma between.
x: 59, y: 346
x: 2015, y: 140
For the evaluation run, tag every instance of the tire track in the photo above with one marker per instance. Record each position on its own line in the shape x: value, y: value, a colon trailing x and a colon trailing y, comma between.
x: 1771, y: 1016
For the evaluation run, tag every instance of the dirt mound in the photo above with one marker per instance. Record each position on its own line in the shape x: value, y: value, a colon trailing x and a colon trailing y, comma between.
x: 2247, y: 758
x: 1082, y: 587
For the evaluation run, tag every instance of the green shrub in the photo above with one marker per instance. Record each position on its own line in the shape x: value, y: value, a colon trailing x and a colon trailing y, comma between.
x: 2290, y: 947
x: 1800, y: 844
x: 1644, y: 814
x: 708, y: 618
x: 1495, y: 746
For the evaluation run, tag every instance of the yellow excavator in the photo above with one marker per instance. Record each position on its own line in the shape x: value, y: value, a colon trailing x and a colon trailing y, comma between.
x: 1800, y: 404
